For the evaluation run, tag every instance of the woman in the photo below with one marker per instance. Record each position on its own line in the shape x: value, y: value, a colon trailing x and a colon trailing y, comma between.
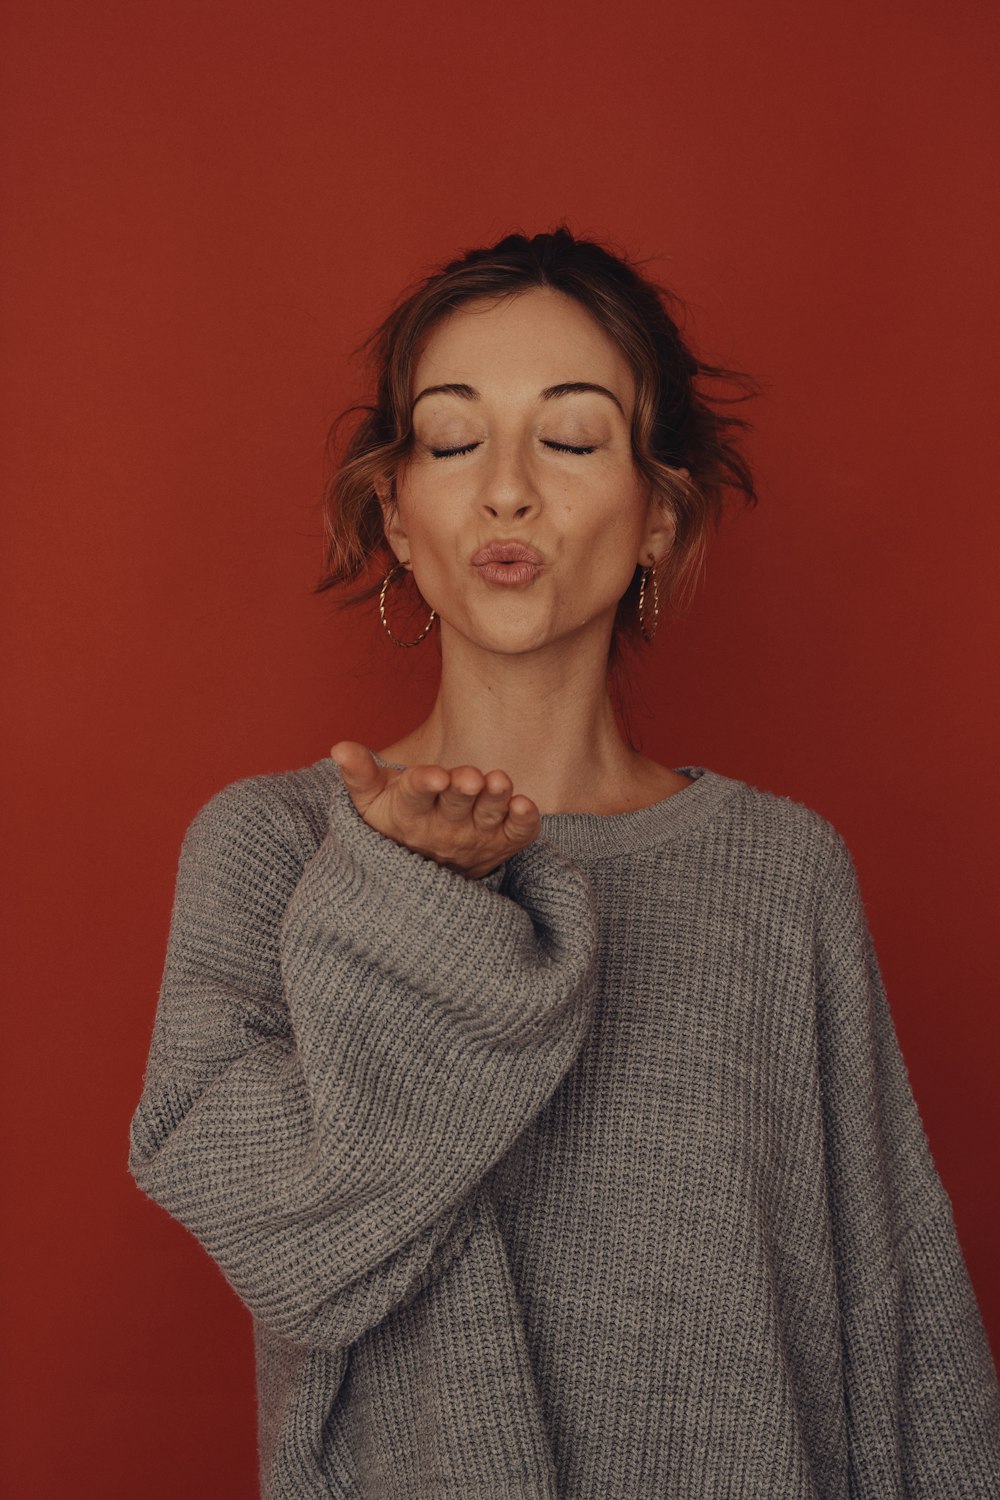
x: 542, y: 1102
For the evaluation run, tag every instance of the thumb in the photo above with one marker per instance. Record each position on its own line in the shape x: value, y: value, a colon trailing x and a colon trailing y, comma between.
x: 360, y: 773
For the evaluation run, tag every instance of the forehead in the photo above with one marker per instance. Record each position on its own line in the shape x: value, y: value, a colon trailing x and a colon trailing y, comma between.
x: 519, y: 346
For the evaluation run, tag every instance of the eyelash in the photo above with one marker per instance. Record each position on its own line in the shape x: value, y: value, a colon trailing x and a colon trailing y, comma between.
x: 560, y: 447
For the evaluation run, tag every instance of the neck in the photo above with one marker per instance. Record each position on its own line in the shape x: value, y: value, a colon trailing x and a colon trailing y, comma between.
x: 544, y: 717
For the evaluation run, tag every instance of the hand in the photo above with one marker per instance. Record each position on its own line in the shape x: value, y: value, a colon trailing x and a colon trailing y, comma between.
x: 460, y: 818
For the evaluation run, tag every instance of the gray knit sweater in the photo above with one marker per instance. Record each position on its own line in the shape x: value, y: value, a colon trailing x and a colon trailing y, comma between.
x: 600, y: 1178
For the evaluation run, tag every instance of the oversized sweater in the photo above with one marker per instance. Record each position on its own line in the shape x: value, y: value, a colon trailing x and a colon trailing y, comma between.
x: 600, y: 1178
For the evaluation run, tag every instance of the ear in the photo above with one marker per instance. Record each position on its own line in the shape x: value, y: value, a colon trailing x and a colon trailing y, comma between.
x: 391, y: 524
x: 659, y: 533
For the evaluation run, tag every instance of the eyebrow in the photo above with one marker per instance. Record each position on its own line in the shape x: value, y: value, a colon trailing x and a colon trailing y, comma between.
x: 567, y: 388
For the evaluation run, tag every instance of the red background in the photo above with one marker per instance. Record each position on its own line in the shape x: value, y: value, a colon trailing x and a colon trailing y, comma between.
x: 212, y: 204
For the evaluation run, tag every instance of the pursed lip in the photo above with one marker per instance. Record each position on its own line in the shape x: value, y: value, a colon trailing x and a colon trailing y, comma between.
x: 495, y: 552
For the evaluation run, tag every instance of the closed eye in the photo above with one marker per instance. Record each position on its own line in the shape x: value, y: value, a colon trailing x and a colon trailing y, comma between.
x: 559, y: 447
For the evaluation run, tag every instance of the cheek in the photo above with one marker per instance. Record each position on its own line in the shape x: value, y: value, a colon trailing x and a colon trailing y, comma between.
x: 615, y: 517
x: 424, y: 514
x: 437, y: 542
x: 604, y: 564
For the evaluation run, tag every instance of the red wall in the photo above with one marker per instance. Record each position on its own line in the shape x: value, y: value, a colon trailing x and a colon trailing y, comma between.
x: 212, y: 204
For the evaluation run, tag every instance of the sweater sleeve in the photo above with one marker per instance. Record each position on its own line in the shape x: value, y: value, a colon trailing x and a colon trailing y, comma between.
x: 342, y: 1049
x: 920, y: 1388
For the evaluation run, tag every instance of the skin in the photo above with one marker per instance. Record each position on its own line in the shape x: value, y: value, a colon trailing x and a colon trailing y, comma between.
x: 524, y: 668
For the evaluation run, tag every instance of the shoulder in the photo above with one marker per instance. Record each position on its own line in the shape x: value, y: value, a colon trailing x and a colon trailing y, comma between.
x: 271, y: 811
x: 772, y: 830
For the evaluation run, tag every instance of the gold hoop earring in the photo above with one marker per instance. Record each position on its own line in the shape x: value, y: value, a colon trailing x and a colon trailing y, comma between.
x: 386, y: 582
x: 648, y: 573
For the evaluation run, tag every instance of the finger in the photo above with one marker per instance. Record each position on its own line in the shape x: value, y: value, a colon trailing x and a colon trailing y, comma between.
x: 359, y: 770
x: 523, y: 818
x: 490, y: 807
x: 418, y: 788
x: 455, y: 802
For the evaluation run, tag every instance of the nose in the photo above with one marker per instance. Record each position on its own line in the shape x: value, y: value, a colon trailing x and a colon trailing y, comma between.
x: 508, y: 490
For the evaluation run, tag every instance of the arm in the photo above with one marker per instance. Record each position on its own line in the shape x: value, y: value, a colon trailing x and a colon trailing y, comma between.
x: 921, y: 1392
x: 342, y: 1049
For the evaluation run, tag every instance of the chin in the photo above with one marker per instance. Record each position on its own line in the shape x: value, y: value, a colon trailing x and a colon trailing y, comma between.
x: 511, y: 639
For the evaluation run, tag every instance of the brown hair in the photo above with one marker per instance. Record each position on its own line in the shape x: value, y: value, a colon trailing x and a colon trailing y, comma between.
x: 675, y: 423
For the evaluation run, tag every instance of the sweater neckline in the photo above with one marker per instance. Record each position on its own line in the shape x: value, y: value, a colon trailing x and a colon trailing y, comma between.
x: 600, y: 835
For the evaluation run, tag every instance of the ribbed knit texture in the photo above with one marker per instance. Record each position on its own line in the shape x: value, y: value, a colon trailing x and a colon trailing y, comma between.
x: 598, y: 1179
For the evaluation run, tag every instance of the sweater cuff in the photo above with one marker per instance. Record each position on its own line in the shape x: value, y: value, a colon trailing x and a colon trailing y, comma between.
x: 505, y: 953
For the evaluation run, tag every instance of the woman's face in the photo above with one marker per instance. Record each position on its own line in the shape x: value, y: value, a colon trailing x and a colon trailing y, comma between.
x: 586, y: 513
